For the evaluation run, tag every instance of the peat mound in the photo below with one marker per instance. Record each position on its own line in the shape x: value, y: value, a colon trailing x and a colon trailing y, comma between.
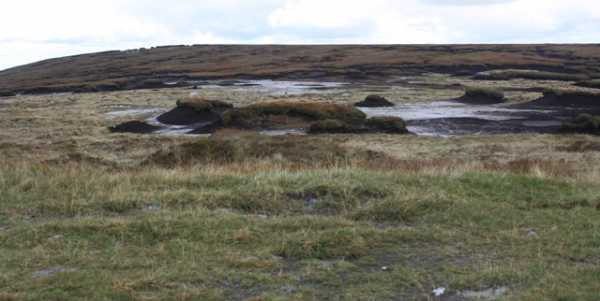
x: 136, y: 127
x: 482, y: 96
x: 195, y: 110
x: 290, y: 114
x: 374, y: 101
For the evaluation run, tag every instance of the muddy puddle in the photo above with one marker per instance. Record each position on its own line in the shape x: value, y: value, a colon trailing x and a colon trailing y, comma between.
x: 448, y: 118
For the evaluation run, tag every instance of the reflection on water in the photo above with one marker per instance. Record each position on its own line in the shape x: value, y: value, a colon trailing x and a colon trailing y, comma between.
x: 446, y: 109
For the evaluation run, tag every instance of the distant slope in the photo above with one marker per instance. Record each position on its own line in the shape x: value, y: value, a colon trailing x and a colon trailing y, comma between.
x: 116, y: 70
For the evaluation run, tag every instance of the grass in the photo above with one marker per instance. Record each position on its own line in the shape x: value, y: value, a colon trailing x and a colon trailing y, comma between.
x: 225, y: 235
x: 85, y: 214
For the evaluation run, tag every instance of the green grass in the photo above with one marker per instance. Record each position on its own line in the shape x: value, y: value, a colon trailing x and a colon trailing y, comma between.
x: 198, y: 233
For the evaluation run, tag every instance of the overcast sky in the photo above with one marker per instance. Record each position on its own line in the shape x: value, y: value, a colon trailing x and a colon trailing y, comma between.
x: 32, y: 30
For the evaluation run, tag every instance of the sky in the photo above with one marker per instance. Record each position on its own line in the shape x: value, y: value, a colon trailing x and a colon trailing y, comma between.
x: 33, y: 30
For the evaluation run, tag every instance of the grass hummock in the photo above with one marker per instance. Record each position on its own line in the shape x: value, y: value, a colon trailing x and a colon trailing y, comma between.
x: 482, y: 95
x: 203, y: 104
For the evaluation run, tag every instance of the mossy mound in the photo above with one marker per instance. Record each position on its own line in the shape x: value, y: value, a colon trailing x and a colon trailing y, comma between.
x: 261, y: 115
x: 583, y: 123
x: 136, y: 127
x: 482, y: 96
x: 374, y: 101
x: 386, y: 124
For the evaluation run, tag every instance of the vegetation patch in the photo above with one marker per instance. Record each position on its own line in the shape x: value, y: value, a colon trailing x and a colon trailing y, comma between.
x: 481, y: 95
x: 259, y: 115
x: 331, y: 126
x: 301, y: 151
x: 387, y: 124
x: 328, y: 244
x: 203, y: 104
x: 583, y: 123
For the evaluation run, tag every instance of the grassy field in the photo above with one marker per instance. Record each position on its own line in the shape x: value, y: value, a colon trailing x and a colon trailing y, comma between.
x: 85, y: 214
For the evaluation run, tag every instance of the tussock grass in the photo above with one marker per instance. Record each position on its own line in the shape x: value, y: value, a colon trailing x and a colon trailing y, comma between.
x: 314, y: 227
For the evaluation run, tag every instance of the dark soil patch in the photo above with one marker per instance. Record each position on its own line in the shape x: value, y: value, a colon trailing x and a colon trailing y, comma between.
x: 188, y: 116
x: 567, y: 99
x: 136, y: 127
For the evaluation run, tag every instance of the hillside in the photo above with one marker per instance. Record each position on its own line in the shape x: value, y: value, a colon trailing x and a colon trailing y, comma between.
x: 148, y: 68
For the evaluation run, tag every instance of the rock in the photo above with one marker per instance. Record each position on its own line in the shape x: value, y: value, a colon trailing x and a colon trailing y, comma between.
x: 374, y: 101
x: 439, y: 291
x: 136, y: 127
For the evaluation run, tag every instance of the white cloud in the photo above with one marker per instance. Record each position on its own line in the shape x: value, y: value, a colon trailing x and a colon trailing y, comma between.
x: 33, y: 29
